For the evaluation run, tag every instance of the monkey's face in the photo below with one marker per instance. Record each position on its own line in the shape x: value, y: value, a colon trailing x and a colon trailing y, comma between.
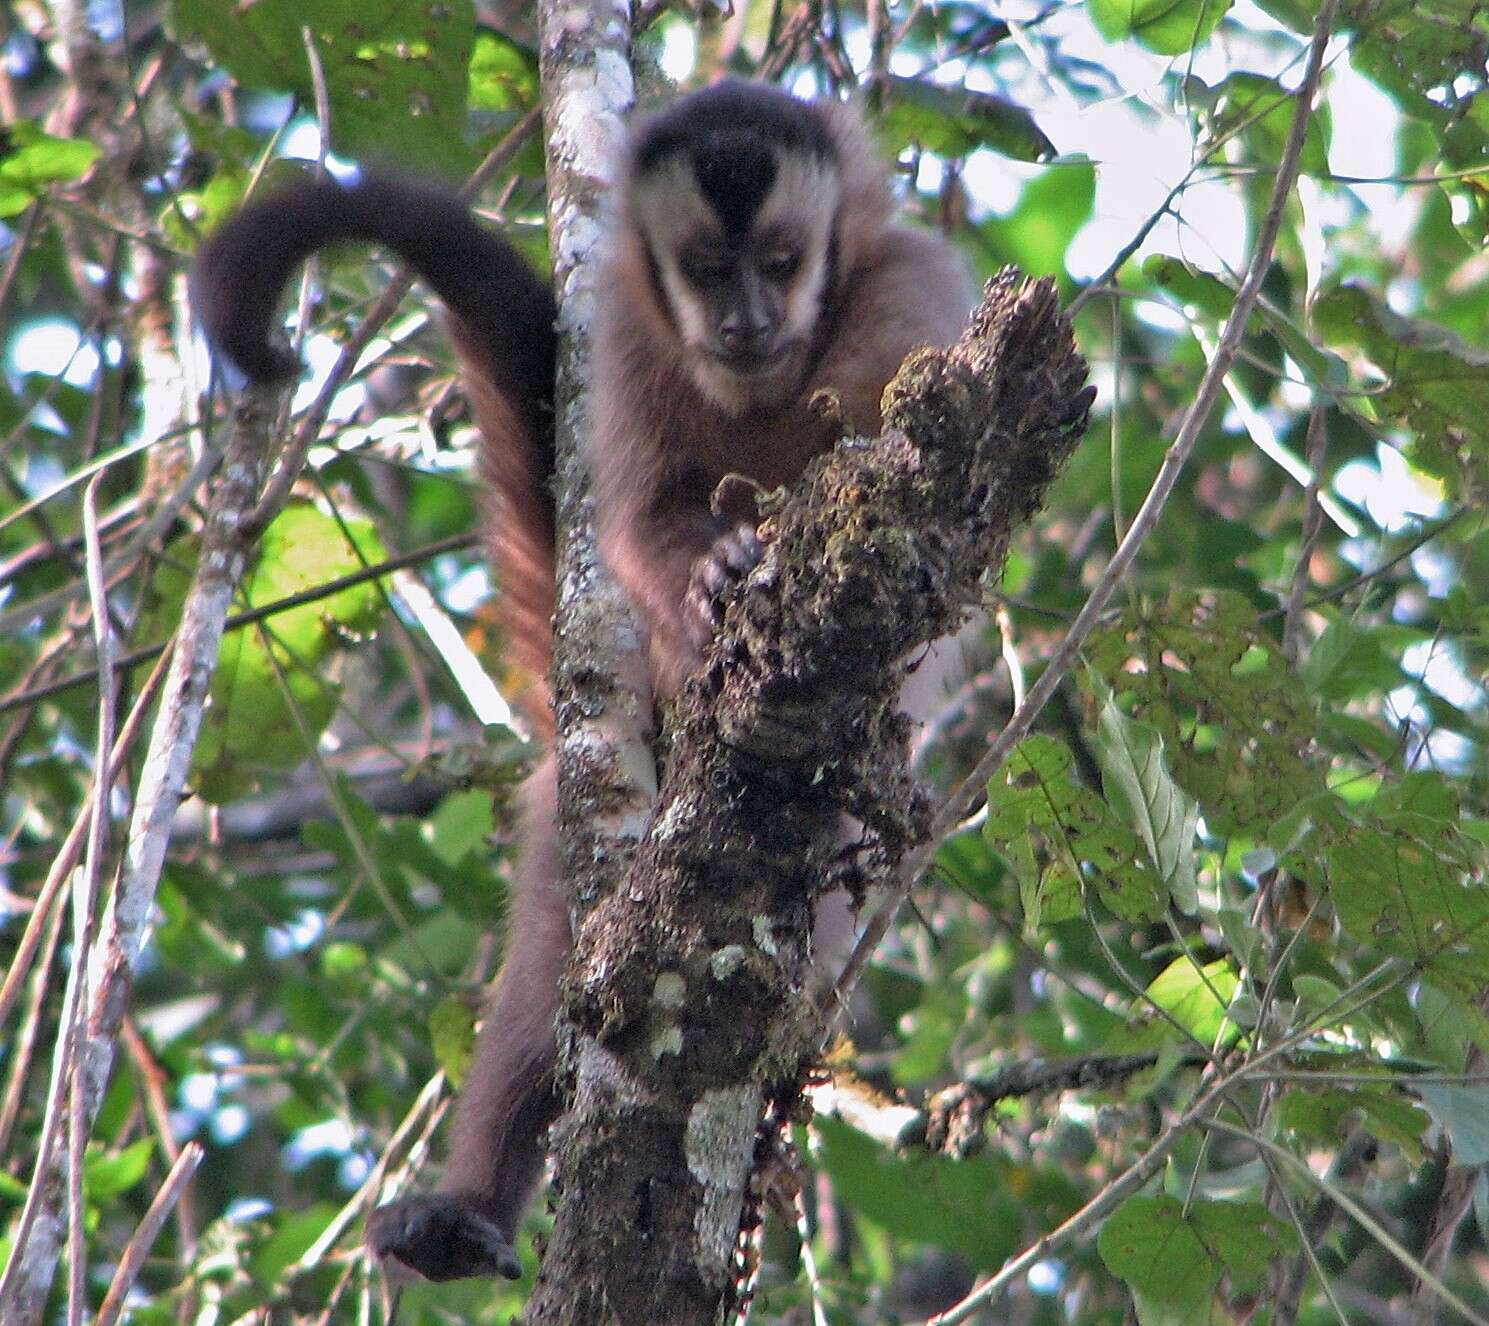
x: 742, y: 265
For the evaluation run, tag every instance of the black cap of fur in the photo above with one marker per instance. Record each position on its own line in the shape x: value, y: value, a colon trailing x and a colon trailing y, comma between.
x: 730, y: 133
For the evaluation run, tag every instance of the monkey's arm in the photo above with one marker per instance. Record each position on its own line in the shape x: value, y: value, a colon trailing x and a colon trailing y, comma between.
x: 672, y: 563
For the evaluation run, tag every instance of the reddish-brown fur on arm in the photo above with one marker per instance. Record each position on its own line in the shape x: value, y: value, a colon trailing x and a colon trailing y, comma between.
x: 502, y: 322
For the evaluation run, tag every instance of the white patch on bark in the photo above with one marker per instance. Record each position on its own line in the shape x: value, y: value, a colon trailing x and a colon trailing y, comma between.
x: 765, y: 939
x: 724, y: 962
x: 719, y: 1144
x: 670, y: 990
x: 666, y: 1040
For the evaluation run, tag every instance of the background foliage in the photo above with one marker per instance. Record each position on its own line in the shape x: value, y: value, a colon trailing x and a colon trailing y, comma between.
x: 1234, y: 885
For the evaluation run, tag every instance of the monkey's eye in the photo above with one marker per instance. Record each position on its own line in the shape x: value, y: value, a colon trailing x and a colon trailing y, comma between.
x: 779, y: 266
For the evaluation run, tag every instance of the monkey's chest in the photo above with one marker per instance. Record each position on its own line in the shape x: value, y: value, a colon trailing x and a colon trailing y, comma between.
x: 770, y: 449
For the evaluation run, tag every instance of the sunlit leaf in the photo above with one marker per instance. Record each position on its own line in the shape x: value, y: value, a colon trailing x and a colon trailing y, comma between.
x: 382, y: 60
x: 1169, y: 27
x: 1197, y: 998
x: 452, y: 1030
x: 107, y: 1175
x: 32, y: 161
x: 265, y: 672
x: 1138, y: 784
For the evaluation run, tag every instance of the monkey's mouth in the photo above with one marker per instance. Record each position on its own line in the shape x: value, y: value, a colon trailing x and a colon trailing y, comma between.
x: 753, y: 363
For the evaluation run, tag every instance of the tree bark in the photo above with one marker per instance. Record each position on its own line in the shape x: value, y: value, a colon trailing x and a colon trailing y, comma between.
x: 686, y: 992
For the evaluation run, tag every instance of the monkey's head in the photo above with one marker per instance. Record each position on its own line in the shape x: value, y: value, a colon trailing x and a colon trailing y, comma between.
x: 735, y: 192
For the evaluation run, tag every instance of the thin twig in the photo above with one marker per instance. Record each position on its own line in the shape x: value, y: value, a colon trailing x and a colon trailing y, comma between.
x: 1353, y: 1209
x: 143, y: 1239
x: 249, y: 617
x: 85, y: 907
x: 110, y: 963
x: 72, y: 845
x: 1313, y: 525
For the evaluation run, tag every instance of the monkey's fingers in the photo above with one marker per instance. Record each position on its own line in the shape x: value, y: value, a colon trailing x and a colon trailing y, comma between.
x: 440, y: 1237
x: 733, y: 556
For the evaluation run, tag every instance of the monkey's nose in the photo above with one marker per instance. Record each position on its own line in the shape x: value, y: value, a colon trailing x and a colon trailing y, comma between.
x: 739, y: 338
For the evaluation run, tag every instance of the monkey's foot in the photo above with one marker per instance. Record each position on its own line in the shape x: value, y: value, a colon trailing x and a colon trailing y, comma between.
x: 440, y: 1236
x: 733, y: 556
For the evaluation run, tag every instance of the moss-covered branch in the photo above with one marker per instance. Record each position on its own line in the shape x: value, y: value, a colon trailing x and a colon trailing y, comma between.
x: 686, y: 995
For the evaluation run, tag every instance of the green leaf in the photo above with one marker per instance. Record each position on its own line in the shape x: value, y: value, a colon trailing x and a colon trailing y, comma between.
x: 950, y: 121
x: 1260, y: 112
x: 1049, y: 827
x: 294, y: 1232
x: 1173, y: 1261
x: 966, y: 860
x: 1320, y: 1116
x: 958, y: 1204
x: 1346, y: 663
x: 462, y: 824
x: 1417, y: 49
x: 1243, y: 1237
x: 1197, y: 998
x: 33, y: 161
x: 503, y: 76
x: 1169, y: 27
x: 396, y: 71
x: 1138, y: 785
x: 1201, y: 292
x: 1147, y: 1242
x: 1051, y: 210
x: 1237, y: 728
x: 1464, y: 1112
x: 1436, y: 384
x: 1411, y: 885
x: 343, y: 961
x: 928, y: 1035
x: 107, y: 1175
x: 452, y: 1031
x: 249, y: 727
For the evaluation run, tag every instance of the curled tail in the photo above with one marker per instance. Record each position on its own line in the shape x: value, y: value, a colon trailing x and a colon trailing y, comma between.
x: 502, y: 323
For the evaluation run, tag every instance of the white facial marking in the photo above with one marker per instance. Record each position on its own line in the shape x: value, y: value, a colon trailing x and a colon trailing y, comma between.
x: 803, y: 203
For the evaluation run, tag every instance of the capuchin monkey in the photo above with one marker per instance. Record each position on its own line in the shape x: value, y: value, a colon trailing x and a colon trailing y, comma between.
x: 752, y: 261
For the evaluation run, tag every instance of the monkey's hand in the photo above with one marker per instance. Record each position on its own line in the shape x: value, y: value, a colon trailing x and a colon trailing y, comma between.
x: 733, y: 556
x: 440, y: 1236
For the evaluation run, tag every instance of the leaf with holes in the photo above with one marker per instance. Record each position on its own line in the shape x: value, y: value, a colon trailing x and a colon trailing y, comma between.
x: 1058, y: 835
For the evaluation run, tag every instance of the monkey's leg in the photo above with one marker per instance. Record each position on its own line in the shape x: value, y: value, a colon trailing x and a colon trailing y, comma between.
x: 497, y: 1146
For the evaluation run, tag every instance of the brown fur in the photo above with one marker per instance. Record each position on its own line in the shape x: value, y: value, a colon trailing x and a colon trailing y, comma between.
x: 669, y: 419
